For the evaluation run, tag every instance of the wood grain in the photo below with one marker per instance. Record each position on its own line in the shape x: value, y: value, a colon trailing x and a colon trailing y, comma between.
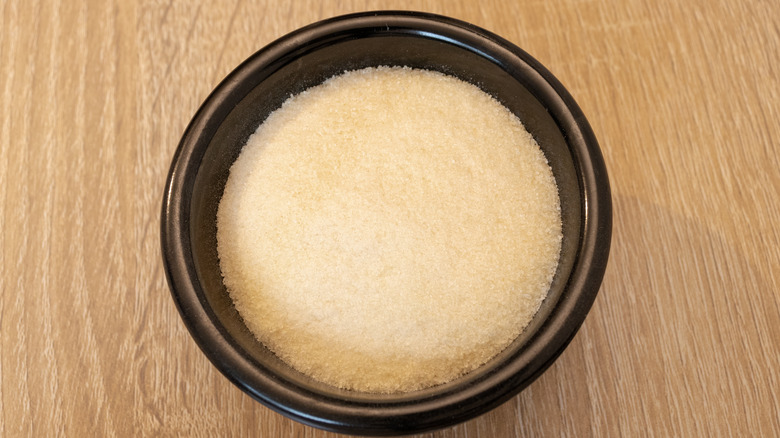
x: 684, y: 339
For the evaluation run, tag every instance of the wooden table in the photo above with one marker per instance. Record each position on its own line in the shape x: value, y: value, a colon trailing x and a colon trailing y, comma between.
x: 684, y: 96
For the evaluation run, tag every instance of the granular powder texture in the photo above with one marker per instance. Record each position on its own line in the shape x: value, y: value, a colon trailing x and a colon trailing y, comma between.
x: 389, y: 230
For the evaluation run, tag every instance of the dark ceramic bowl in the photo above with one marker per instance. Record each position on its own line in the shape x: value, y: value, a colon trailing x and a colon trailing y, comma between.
x: 306, y: 58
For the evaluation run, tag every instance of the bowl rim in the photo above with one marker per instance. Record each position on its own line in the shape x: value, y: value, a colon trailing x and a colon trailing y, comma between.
x: 389, y: 417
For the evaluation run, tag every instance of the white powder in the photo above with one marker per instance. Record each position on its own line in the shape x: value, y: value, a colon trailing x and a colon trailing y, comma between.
x: 389, y: 230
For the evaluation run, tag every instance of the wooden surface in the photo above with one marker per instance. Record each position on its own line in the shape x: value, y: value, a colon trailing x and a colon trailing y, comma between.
x: 684, y: 96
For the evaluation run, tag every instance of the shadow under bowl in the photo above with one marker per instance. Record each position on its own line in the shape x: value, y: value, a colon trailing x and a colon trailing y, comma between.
x: 305, y: 58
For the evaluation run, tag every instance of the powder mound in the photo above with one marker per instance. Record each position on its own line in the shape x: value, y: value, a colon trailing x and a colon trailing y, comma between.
x: 389, y: 230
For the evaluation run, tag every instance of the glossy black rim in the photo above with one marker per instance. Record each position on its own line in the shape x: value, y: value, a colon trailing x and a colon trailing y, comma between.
x: 388, y: 416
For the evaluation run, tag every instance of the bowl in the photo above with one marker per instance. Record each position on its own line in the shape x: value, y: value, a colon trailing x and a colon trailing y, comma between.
x: 307, y: 57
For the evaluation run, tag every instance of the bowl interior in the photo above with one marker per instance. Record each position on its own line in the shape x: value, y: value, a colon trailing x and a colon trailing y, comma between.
x: 264, y: 82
